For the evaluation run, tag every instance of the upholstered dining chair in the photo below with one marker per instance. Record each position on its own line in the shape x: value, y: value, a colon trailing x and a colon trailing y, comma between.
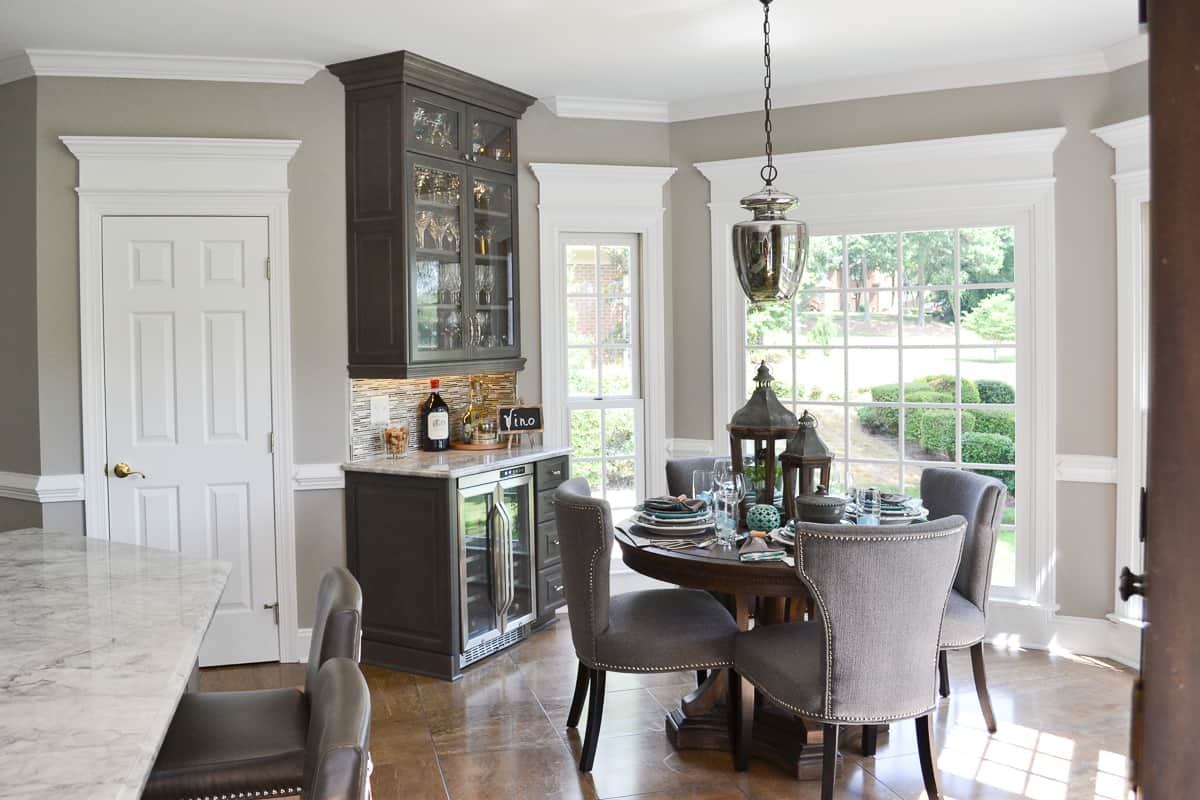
x: 679, y: 473
x: 980, y: 500
x: 869, y: 657
x: 336, y: 755
x: 657, y: 630
x: 252, y: 743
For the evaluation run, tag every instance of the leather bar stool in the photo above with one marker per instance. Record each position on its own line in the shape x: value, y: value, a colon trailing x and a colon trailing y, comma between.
x: 336, y: 758
x: 252, y: 744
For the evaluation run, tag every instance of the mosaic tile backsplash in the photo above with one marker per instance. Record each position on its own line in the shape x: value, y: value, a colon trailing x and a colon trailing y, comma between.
x: 404, y: 401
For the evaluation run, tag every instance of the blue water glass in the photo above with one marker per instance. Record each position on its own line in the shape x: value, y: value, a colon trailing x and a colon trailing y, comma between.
x: 869, y: 507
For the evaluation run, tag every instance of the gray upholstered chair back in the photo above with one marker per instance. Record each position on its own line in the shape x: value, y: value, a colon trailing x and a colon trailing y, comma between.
x: 980, y: 500
x: 339, y: 728
x: 880, y: 593
x: 585, y: 536
x: 679, y: 473
x: 337, y: 626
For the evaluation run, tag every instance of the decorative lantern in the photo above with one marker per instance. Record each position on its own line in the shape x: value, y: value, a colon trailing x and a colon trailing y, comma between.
x: 807, y: 458
x: 764, y: 421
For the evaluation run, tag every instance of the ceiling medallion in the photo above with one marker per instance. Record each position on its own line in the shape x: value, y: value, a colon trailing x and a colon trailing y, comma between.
x: 769, y: 250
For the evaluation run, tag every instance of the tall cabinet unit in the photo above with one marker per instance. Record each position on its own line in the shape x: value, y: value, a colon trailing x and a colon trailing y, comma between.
x: 431, y: 205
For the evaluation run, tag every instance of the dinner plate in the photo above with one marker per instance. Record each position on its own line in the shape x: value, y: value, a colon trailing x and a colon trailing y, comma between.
x: 674, y: 530
x: 641, y: 509
x: 643, y: 519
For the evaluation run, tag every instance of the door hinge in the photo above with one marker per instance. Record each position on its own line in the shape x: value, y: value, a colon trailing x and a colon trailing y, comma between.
x: 1142, y: 516
x: 268, y: 268
x: 271, y: 442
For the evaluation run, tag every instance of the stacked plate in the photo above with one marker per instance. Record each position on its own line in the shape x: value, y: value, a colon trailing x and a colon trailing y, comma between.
x: 674, y: 522
x: 895, y: 510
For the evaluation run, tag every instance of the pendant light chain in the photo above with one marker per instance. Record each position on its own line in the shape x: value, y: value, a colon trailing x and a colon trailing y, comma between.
x: 769, y: 172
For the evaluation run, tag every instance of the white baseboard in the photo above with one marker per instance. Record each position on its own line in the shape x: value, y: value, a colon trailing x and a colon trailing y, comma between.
x: 307, y: 477
x: 689, y: 448
x: 41, y: 488
x: 1034, y: 627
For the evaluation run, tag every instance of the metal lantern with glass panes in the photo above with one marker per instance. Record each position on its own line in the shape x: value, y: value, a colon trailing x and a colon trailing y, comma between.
x: 763, y: 421
x: 807, y: 464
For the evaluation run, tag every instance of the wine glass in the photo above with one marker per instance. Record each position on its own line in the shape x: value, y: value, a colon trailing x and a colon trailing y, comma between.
x: 423, y: 220
x: 731, y: 488
x: 421, y: 183
x: 486, y: 281
x: 437, y: 228
x: 452, y: 233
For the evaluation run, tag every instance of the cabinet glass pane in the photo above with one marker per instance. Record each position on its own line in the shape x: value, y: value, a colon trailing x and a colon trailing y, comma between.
x: 438, y: 277
x: 492, y: 248
x: 433, y: 126
x: 480, y: 615
x: 492, y: 140
x: 517, y: 503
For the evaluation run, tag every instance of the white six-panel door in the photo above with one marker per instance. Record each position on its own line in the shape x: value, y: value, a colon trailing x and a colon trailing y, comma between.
x: 188, y: 403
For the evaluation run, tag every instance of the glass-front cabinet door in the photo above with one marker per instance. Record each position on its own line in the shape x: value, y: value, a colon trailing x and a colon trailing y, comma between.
x: 491, y: 140
x: 434, y: 124
x: 517, y: 496
x: 440, y: 323
x: 493, y: 323
x: 477, y: 563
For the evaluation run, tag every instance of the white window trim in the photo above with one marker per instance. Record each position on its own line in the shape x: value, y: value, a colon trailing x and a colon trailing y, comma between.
x: 595, y: 198
x: 1131, y: 142
x: 999, y: 179
x: 155, y: 176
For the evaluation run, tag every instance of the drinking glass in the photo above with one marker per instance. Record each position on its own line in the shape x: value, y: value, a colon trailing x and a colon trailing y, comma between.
x: 702, y: 485
x: 732, y: 490
x: 869, y: 507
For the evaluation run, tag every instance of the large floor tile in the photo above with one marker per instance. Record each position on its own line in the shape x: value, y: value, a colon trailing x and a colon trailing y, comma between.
x: 543, y: 773
x: 626, y: 712
x: 647, y: 764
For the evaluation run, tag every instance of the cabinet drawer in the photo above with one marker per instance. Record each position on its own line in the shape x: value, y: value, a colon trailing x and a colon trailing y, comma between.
x: 547, y: 545
x: 552, y: 472
x: 550, y: 591
x: 545, y: 506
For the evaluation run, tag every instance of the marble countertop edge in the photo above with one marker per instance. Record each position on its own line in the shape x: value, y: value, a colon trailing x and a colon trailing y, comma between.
x: 453, y: 463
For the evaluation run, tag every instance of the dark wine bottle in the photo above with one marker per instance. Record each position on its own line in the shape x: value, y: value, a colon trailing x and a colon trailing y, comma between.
x: 435, y: 420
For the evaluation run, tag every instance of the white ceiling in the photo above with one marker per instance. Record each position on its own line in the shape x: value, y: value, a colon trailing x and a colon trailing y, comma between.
x: 669, y: 51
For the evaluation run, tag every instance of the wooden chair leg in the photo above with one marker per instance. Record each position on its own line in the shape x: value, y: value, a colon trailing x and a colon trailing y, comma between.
x: 581, y: 687
x: 741, y: 701
x: 925, y: 753
x: 943, y: 675
x: 870, y: 739
x: 701, y: 676
x: 829, y: 761
x: 985, y: 700
x: 595, y: 711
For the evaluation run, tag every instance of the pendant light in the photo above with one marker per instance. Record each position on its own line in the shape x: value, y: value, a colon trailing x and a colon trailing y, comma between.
x: 769, y: 250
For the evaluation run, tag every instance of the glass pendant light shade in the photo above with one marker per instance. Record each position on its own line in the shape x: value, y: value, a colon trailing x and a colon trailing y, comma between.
x: 770, y: 250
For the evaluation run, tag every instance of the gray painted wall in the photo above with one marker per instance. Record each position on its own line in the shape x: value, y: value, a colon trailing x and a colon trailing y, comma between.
x: 1085, y: 256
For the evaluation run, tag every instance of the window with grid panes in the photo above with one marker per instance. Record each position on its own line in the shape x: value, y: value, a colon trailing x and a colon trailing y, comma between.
x: 903, y: 346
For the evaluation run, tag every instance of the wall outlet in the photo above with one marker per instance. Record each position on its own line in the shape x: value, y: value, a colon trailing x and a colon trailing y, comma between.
x: 380, y: 413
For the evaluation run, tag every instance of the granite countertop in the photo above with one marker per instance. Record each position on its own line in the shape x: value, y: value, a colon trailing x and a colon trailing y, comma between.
x: 97, y: 643
x: 453, y: 463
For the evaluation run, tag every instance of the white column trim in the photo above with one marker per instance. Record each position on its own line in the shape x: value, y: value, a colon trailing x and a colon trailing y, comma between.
x: 1076, y: 468
x: 595, y: 198
x: 188, y: 177
x: 41, y: 488
x: 994, y: 179
x: 1131, y: 142
x: 309, y: 477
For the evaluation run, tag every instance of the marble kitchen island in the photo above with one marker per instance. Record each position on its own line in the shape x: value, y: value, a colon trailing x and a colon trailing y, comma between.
x: 97, y: 643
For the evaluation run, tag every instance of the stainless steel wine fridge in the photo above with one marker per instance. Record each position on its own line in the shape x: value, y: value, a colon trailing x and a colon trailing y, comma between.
x: 496, y: 563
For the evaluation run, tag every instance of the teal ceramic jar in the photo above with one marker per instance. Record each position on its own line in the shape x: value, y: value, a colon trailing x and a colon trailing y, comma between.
x: 762, y: 517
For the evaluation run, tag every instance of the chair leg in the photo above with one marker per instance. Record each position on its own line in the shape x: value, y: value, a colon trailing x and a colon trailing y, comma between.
x: 870, y: 739
x: 925, y: 753
x: 595, y: 712
x: 701, y: 676
x: 985, y: 700
x: 581, y: 687
x: 741, y: 701
x: 829, y: 761
x: 943, y: 675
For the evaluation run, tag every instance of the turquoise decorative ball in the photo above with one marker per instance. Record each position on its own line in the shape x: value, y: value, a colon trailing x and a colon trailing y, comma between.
x: 763, y: 517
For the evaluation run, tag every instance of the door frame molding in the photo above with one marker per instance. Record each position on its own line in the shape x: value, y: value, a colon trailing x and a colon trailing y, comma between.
x: 168, y: 176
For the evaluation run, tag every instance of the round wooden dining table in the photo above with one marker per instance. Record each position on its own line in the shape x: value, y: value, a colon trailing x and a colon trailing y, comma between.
x: 769, y: 591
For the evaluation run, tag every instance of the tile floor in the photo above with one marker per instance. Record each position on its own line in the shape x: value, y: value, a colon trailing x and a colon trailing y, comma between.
x: 499, y: 733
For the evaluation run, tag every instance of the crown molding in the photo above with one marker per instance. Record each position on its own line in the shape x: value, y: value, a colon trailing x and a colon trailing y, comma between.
x: 1131, y: 141
x: 884, y: 85
x: 41, y: 488
x: 179, y: 147
x: 1127, y: 52
x: 599, y: 186
x: 608, y: 108
x: 85, y: 64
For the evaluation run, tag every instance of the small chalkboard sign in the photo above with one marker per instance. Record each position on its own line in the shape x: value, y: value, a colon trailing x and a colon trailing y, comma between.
x: 519, y: 419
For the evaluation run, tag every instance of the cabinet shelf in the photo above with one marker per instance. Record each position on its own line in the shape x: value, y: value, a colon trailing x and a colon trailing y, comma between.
x: 483, y: 212
x: 429, y: 252
x: 481, y: 257
x: 423, y: 203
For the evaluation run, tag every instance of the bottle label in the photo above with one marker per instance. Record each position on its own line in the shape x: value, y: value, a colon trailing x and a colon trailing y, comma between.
x: 438, y: 424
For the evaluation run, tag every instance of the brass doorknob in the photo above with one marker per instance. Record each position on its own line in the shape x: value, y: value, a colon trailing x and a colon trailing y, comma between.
x: 123, y: 470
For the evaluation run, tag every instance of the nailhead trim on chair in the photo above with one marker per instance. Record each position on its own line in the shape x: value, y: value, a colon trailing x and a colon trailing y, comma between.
x: 249, y: 795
